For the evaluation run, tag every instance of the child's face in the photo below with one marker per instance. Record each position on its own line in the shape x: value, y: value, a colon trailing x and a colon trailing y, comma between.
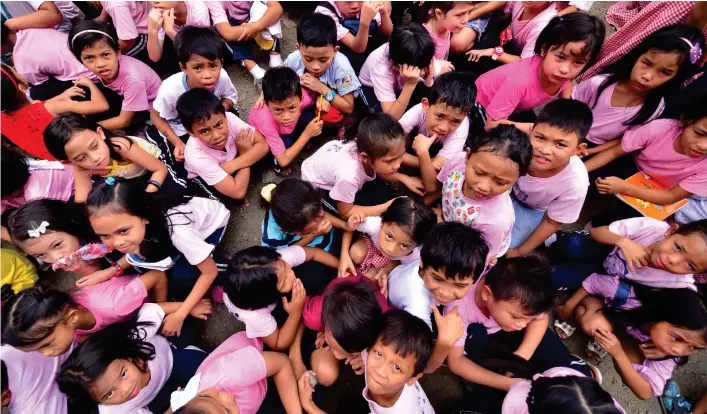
x: 317, y: 59
x: 285, y: 277
x: 693, y: 139
x: 389, y: 163
x: 442, y: 119
x: 101, y: 59
x: 680, y: 254
x: 394, y: 242
x: 287, y: 111
x: 564, y: 62
x: 676, y: 341
x: 120, y: 382
x: 164, y: 5
x: 60, y: 340
x: 653, y: 69
x: 456, y: 19
x: 444, y: 290
x: 88, y: 150
x: 51, y: 246
x: 387, y: 372
x: 349, y: 8
x: 336, y: 349
x: 213, y: 401
x: 488, y: 174
x: 552, y: 147
x: 509, y: 314
x: 213, y: 131
x: 120, y: 231
x: 313, y: 225
x: 202, y: 72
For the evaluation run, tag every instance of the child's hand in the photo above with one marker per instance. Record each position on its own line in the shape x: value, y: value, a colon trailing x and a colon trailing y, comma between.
x: 411, y: 74
x: 387, y: 8
x: 70, y: 263
x: 476, y: 54
x: 636, y: 254
x: 305, y: 389
x: 421, y: 144
x: 369, y: 11
x: 414, y: 184
x: 155, y: 20
x: 438, y: 212
x: 72, y: 92
x: 450, y: 327
x: 438, y: 162
x: 260, y: 102
x: 429, y: 77
x: 179, y: 151
x: 313, y: 84
x: 83, y: 81
x: 245, y: 140
x: 202, y: 309
x: 650, y: 351
x: 346, y: 265
x: 445, y: 66
x: 609, y: 342
x: 512, y: 252
x: 381, y: 278
x: 323, y: 105
x: 355, y: 220
x: 323, y: 229
x: 96, y: 278
x: 168, y: 21
x: 356, y: 362
x: 250, y: 31
x: 611, y: 185
x: 296, y: 304
x: 314, y: 128
x: 320, y: 342
x: 172, y: 325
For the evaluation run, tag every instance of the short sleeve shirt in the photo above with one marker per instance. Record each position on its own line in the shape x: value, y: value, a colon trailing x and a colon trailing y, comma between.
x: 129, y: 17
x: 262, y: 120
x: 111, y: 301
x: 452, y: 144
x: 407, y: 291
x: 193, y: 223
x: 340, y: 76
x: 137, y: 83
x: 377, y: 73
x: 337, y: 16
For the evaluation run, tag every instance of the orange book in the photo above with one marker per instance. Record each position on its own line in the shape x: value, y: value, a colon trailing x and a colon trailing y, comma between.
x: 648, y: 209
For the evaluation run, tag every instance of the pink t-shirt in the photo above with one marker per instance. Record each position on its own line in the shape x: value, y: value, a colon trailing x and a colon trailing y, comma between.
x: 606, y: 286
x: 192, y: 223
x: 262, y: 120
x: 42, y: 53
x: 656, y: 156
x: 608, y: 121
x: 137, y: 83
x: 342, y: 31
x: 441, y: 43
x: 221, y: 11
x: 561, y: 195
x: 513, y: 88
x: 452, y: 144
x: 494, y: 217
x: 111, y: 301
x: 377, y: 72
x: 372, y: 227
x: 237, y: 366
x: 129, y: 17
x: 203, y: 161
x: 470, y: 313
x: 336, y: 167
x: 51, y: 183
x: 197, y: 15
x: 525, y: 32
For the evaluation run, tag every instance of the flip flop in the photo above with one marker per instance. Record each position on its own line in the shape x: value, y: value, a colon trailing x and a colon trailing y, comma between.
x: 563, y: 329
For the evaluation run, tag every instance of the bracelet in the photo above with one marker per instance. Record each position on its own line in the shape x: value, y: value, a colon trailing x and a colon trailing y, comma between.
x: 155, y: 183
x: 118, y: 270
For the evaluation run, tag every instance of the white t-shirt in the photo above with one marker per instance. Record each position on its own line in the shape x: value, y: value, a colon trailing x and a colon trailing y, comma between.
x: 407, y: 291
x: 193, y: 223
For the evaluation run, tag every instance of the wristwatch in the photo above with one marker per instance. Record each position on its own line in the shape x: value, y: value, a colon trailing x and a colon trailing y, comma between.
x: 497, y: 52
x: 330, y: 96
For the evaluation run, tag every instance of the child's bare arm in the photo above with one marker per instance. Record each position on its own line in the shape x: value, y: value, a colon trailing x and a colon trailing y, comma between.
x: 122, y: 121
x: 346, y: 210
x: 312, y: 130
x: 46, y: 16
x: 82, y: 185
x: 165, y: 129
x: 545, y: 229
x: 321, y: 256
x: 472, y: 372
x: 450, y: 328
x: 346, y: 265
x: 604, y: 157
x: 147, y: 161
x: 566, y: 311
x: 278, y: 366
x: 615, y: 185
x: 604, y: 146
x: 534, y: 333
x: 96, y: 105
x: 173, y: 322
x: 282, y: 338
x: 157, y: 280
x: 635, y: 381
x: 255, y: 153
x: 235, y: 187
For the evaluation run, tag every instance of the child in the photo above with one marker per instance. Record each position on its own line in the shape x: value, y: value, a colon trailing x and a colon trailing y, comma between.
x: 444, y: 115
x: 282, y: 121
x: 60, y: 15
x: 96, y: 46
x: 389, y: 240
x: 478, y: 21
x: 130, y: 21
x: 17, y: 271
x: 23, y: 122
x: 257, y: 278
x: 342, y: 168
x: 322, y: 69
x: 474, y: 185
x: 233, y: 378
x: 200, y: 55
x: 168, y: 18
x: 128, y: 367
x: 222, y: 147
x: 97, y: 152
x: 244, y: 25
x: 391, y: 72
x: 553, y: 191
x: 632, y: 90
x: 564, y: 48
x: 177, y: 234
x: 443, y: 19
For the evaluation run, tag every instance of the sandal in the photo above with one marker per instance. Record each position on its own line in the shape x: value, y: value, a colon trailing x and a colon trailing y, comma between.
x: 284, y: 172
x: 594, y: 350
x: 563, y: 329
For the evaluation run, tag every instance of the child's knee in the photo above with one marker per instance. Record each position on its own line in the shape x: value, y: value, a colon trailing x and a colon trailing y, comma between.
x: 326, y: 366
x: 462, y: 41
x: 591, y: 320
x: 358, y: 251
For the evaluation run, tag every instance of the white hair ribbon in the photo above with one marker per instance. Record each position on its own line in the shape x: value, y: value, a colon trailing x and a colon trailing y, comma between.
x: 180, y: 398
x: 41, y: 229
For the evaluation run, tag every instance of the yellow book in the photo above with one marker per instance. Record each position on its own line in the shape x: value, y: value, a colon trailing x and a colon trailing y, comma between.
x: 648, y: 209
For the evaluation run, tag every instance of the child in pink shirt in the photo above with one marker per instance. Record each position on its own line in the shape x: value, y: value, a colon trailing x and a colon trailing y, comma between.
x: 443, y: 19
x: 130, y: 21
x: 168, y: 18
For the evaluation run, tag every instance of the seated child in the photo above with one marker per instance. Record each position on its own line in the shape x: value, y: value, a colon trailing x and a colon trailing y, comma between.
x: 95, y: 152
x: 168, y: 18
x: 59, y: 15
x: 244, y: 25
x: 474, y: 185
x: 553, y: 191
x: 361, y: 26
x: 324, y: 71
x: 222, y: 147
x: 130, y: 21
x: 233, y: 379
x: 23, y: 122
x: 343, y: 168
x: 476, y: 25
x: 444, y: 19
x: 18, y: 273
x: 258, y: 278
x: 200, y: 55
x: 391, y: 72
x: 445, y: 116
x: 287, y: 128
x: 96, y: 46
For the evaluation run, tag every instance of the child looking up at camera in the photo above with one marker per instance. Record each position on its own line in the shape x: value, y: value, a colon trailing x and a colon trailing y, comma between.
x: 444, y: 19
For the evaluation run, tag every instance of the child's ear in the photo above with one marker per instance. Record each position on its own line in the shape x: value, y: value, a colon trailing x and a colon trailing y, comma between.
x: 336, y: 48
x: 101, y: 133
x: 365, y: 159
x: 72, y: 316
x: 467, y: 151
x: 581, y: 149
x: 182, y: 67
x: 297, y: 45
x: 672, y: 229
x: 425, y: 104
x: 415, y: 378
x: 486, y: 294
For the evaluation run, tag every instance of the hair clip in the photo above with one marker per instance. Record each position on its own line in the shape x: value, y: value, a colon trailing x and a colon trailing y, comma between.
x: 41, y: 229
x: 695, y: 50
x: 110, y: 180
x: 179, y: 399
x: 266, y: 192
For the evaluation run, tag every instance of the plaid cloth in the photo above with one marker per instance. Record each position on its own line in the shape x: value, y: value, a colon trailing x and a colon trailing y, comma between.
x: 374, y: 258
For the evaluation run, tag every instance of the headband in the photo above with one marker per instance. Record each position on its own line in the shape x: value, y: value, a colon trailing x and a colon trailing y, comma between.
x: 695, y: 50
x: 179, y: 399
x: 73, y: 39
x: 12, y: 78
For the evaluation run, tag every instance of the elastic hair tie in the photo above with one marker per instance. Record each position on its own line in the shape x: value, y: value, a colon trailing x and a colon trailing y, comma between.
x: 695, y: 50
x: 73, y: 39
x: 110, y: 181
x: 12, y: 78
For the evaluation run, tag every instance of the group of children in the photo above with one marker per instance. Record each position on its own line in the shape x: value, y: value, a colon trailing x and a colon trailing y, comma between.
x: 426, y: 231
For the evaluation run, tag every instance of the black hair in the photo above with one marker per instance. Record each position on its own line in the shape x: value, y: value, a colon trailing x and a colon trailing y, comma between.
x: 198, y: 105
x: 456, y: 250
x: 11, y: 98
x: 4, y: 31
x: 352, y: 314
x: 526, y: 279
x: 569, y: 115
x: 454, y: 89
x: 31, y: 316
x: 571, y: 395
x: 63, y: 128
x: 690, y: 114
x: 377, y: 134
x: 15, y: 172
x: 201, y: 41
x: 3, y: 376
x: 667, y: 40
x: 66, y: 217
x: 251, y: 278
x: 294, y: 204
x: 573, y: 27
x: 414, y: 217
x: 694, y: 227
x: 409, y: 335
x: 411, y: 45
x: 428, y: 8
x: 192, y: 408
x: 507, y: 141
x: 78, y: 43
x: 316, y: 30
x: 89, y: 361
x: 129, y: 196
x: 280, y: 84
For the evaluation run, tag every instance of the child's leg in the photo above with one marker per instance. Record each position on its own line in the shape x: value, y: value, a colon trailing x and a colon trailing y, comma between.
x: 358, y: 251
x: 464, y: 40
x: 590, y: 317
x: 157, y: 280
x: 326, y: 366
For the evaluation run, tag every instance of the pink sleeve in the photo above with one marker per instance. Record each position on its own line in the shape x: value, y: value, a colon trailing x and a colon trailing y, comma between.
x: 601, y: 285
x: 635, y: 227
x: 293, y: 255
x: 123, y: 22
x: 135, y: 97
x: 411, y: 118
x: 566, y: 208
x: 636, y: 137
x: 657, y: 373
x: 587, y: 90
x: 236, y: 125
x: 114, y: 299
x: 504, y: 101
x: 515, y: 401
x: 344, y: 191
x: 529, y: 48
x: 239, y: 369
x: 496, y: 235
x: 204, y: 166
x: 258, y: 323
x: 383, y: 84
x: 341, y: 31
x: 218, y: 14
x: 198, y: 14
x: 695, y: 184
x: 450, y: 166
x: 262, y: 120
